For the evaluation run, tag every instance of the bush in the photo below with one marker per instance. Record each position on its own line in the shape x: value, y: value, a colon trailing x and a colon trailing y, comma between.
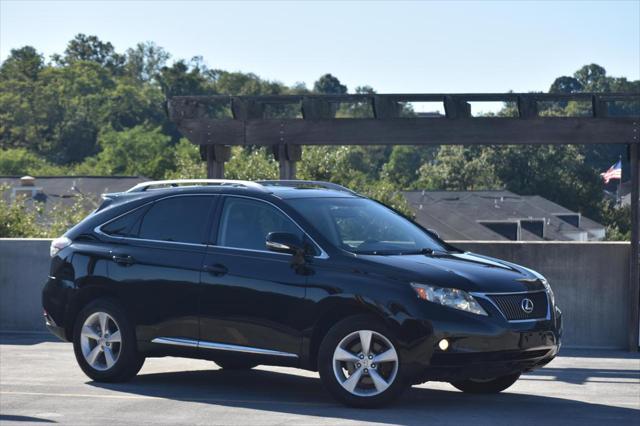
x: 23, y: 217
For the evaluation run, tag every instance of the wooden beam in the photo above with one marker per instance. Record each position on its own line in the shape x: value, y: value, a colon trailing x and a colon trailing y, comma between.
x: 411, y: 131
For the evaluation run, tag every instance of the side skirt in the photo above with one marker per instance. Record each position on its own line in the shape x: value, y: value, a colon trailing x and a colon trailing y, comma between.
x: 201, y: 344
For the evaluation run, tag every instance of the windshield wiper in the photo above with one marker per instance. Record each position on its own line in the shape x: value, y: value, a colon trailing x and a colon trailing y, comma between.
x: 425, y: 251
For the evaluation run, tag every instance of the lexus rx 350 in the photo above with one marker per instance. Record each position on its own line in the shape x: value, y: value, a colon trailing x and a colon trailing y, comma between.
x: 292, y: 273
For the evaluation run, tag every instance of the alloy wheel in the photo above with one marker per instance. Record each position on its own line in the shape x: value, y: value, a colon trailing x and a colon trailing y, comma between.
x: 101, y: 341
x: 365, y: 363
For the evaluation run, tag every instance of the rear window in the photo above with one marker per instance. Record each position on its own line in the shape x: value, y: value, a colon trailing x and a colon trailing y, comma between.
x: 179, y: 219
x: 127, y: 225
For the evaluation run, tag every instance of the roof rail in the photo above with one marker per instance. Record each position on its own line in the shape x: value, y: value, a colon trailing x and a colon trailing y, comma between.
x: 302, y: 183
x: 141, y: 187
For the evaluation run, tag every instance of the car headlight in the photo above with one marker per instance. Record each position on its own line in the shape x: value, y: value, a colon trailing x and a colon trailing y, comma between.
x: 451, y: 297
x: 547, y: 287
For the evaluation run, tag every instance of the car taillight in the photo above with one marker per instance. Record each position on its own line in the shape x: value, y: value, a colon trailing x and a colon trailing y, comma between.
x: 58, y: 244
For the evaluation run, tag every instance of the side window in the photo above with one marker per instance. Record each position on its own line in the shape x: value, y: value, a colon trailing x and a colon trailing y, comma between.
x: 245, y: 223
x: 180, y: 219
x: 125, y: 226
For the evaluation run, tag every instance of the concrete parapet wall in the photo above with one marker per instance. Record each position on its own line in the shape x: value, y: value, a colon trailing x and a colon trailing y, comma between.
x: 589, y: 279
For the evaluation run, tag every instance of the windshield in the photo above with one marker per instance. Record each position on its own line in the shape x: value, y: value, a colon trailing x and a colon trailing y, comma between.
x: 363, y: 226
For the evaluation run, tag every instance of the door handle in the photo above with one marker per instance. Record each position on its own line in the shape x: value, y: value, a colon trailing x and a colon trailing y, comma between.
x: 216, y: 269
x: 124, y: 260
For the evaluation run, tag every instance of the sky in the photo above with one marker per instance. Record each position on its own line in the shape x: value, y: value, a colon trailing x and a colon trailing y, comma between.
x: 394, y: 47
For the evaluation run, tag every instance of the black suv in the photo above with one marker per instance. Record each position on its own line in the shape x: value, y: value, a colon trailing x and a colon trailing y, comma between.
x: 294, y: 273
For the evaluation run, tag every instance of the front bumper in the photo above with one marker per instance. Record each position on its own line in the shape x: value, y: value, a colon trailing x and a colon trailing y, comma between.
x: 451, y: 367
x: 54, y: 328
x: 486, y: 347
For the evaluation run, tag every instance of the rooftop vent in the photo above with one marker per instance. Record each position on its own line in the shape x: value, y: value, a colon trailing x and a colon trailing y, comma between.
x: 509, y: 230
x: 27, y: 181
x: 570, y: 218
x: 535, y: 226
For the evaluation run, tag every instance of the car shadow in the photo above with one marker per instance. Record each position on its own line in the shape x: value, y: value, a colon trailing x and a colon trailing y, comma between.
x: 579, y: 376
x: 303, y: 395
x: 598, y: 353
x: 12, y: 418
x: 26, y: 338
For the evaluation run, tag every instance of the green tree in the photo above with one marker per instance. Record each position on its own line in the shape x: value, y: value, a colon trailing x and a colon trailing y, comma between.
x: 92, y: 49
x: 188, y: 164
x: 593, y: 78
x: 186, y: 79
x: 22, y: 64
x: 20, y: 162
x: 617, y: 220
x: 556, y: 172
x: 460, y: 168
x: 145, y: 61
x: 251, y: 165
x: 327, y: 84
x: 139, y: 151
x: 403, y: 167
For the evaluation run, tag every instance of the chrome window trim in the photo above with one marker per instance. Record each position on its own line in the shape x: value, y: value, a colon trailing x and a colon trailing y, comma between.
x: 486, y: 297
x: 251, y: 250
x: 176, y: 341
x: 323, y: 254
x: 99, y: 231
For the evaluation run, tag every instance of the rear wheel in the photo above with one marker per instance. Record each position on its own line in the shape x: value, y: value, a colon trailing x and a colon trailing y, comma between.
x: 104, y: 343
x: 359, y: 364
x: 493, y: 385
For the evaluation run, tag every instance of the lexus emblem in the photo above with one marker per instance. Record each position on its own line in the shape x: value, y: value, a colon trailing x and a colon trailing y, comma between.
x: 527, y: 305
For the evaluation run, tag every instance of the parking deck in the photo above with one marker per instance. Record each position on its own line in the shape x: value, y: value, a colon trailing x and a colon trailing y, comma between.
x: 41, y: 383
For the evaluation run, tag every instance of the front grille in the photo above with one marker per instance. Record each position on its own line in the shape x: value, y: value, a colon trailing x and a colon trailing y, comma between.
x: 511, y: 305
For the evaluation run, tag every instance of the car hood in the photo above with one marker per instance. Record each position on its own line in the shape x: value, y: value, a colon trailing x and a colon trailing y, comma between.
x: 466, y: 271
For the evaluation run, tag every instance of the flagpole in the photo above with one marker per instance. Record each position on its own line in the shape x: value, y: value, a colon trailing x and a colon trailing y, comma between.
x: 619, y: 200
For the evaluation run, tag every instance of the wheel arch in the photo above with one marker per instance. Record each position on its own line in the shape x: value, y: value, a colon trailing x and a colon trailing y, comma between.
x: 83, y: 297
x: 330, y: 316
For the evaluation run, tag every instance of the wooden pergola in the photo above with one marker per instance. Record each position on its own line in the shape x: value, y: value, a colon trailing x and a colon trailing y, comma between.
x: 288, y: 122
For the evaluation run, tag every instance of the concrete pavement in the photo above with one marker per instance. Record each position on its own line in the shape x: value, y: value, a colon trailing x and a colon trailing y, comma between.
x: 41, y: 383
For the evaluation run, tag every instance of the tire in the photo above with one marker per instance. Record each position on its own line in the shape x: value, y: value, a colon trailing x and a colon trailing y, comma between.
x: 487, y: 386
x: 236, y: 364
x: 93, y: 343
x: 349, y: 373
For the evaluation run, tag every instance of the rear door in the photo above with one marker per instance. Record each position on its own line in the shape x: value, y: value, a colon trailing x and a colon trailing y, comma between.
x: 157, y: 267
x: 251, y: 298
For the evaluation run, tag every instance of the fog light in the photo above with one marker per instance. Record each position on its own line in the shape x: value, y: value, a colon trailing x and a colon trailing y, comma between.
x: 443, y: 344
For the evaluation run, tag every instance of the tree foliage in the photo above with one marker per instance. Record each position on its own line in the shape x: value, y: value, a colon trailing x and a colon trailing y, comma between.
x: 94, y: 110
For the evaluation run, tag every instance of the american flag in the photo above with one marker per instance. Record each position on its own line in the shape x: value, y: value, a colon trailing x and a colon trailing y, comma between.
x: 614, y: 172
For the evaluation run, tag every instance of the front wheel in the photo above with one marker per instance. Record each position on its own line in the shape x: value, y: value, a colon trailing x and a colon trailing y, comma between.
x: 494, y: 385
x: 104, y: 343
x: 359, y: 364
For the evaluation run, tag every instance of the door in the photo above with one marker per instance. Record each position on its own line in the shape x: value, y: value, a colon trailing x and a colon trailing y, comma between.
x: 251, y: 297
x: 157, y: 266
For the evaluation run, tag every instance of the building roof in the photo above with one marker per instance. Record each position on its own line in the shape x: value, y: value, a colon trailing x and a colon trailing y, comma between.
x: 499, y: 215
x: 67, y: 189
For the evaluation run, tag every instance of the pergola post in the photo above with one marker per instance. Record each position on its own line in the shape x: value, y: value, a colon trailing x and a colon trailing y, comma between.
x: 634, y: 265
x: 286, y: 156
x: 216, y: 157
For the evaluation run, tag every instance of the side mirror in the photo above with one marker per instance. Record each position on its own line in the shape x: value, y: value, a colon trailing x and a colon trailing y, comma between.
x: 434, y: 232
x: 282, y: 242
